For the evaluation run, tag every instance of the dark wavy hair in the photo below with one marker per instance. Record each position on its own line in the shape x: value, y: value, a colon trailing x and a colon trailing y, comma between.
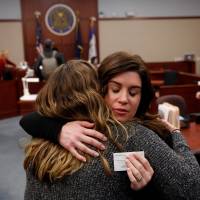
x: 120, y: 62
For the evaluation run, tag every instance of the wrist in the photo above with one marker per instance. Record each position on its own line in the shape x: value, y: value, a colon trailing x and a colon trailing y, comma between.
x: 176, y: 130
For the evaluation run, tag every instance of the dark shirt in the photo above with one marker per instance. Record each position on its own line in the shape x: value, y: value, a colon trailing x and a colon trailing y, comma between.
x: 47, y: 128
x: 59, y: 59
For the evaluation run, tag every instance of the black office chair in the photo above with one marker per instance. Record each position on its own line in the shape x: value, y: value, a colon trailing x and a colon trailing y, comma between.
x: 178, y: 101
x: 170, y: 77
x: 197, y: 155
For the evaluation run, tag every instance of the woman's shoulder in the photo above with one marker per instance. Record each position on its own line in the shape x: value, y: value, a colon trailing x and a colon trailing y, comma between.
x: 140, y: 133
x: 141, y: 138
x: 134, y: 130
x: 134, y: 126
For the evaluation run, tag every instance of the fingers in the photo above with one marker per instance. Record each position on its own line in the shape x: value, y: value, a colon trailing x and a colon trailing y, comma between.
x: 93, y: 142
x: 75, y: 153
x: 76, y: 135
x: 84, y: 149
x: 143, y: 165
x: 87, y: 130
x: 168, y: 125
x: 89, y: 136
x: 135, y: 173
x: 139, y: 171
x: 135, y: 184
x: 86, y: 124
x: 95, y: 134
x: 72, y: 148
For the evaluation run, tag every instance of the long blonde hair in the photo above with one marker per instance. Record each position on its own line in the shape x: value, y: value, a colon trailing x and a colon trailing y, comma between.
x: 71, y: 93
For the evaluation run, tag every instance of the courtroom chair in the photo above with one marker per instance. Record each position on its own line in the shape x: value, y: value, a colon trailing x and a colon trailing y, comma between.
x: 178, y: 101
x: 195, y: 117
x: 170, y: 77
x: 197, y: 155
x: 9, y: 73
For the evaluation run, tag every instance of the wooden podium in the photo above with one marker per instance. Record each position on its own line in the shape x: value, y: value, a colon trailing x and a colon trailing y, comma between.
x: 26, y: 106
x: 27, y: 101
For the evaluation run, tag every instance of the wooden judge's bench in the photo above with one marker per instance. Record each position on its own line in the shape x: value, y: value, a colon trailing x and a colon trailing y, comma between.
x: 192, y: 136
x: 28, y: 105
x: 12, y: 90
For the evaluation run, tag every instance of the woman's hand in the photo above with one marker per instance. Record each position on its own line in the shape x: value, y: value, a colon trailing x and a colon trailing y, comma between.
x: 169, y: 126
x: 139, y: 171
x: 76, y: 135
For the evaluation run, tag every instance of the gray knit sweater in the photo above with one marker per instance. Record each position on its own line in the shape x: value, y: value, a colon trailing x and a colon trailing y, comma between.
x: 176, y: 174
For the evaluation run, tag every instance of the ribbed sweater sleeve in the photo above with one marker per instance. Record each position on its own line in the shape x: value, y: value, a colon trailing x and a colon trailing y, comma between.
x: 37, y: 125
x: 177, y: 173
x: 175, y: 177
x: 182, y: 148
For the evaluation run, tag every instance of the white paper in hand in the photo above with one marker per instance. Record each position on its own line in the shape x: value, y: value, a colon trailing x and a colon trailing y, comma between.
x: 119, y: 160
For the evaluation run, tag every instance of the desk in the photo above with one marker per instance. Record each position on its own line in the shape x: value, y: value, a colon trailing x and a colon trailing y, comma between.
x: 8, y: 98
x: 26, y: 107
x: 192, y: 136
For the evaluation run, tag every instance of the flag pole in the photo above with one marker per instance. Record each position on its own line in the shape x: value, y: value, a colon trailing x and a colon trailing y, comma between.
x: 78, y: 42
x: 38, y: 32
x: 92, y: 53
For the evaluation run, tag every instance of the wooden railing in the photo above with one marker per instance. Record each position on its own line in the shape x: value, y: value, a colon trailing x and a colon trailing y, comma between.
x: 180, y: 66
x: 186, y: 86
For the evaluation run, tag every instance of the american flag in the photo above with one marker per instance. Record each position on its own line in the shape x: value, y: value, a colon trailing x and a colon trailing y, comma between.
x: 92, y: 54
x: 38, y: 29
x: 78, y: 42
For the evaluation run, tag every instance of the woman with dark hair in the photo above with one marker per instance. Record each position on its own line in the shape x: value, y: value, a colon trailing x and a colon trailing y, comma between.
x: 54, y: 173
x: 122, y: 62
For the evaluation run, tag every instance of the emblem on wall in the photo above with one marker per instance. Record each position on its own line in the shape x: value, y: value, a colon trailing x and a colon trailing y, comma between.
x: 60, y: 19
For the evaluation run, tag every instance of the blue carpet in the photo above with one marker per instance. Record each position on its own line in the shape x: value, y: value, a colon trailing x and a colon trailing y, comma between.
x: 12, y: 174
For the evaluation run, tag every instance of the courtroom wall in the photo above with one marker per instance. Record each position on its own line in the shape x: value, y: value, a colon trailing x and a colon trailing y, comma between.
x: 153, y: 39
x: 12, y: 40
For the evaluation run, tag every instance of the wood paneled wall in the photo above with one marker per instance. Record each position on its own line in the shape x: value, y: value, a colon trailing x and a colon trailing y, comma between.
x: 66, y: 44
x: 180, y: 66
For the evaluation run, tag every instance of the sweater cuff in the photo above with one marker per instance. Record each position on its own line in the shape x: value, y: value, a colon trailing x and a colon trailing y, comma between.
x: 53, y: 130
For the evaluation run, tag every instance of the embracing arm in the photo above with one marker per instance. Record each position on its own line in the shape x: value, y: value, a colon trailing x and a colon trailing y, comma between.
x: 175, y: 176
x: 73, y: 136
x: 37, y: 125
x: 178, y: 142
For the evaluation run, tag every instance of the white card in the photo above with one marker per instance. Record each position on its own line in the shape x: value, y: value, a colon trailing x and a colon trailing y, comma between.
x: 119, y: 160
